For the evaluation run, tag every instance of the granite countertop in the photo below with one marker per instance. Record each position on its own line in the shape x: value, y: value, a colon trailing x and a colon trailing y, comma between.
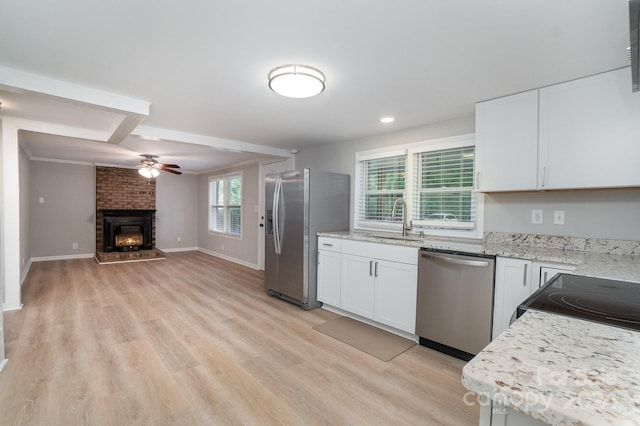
x: 613, y: 259
x: 561, y: 370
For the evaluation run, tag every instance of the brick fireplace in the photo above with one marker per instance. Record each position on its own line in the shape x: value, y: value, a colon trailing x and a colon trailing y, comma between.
x: 125, y: 222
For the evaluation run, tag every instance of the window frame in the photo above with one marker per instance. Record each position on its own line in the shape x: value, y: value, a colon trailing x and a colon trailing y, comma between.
x: 225, y: 206
x: 374, y: 155
x: 410, y: 190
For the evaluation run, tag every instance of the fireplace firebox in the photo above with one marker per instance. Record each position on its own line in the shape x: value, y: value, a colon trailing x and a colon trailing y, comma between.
x: 127, y: 230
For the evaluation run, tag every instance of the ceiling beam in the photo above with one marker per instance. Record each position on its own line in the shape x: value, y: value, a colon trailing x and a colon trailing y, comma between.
x: 148, y: 132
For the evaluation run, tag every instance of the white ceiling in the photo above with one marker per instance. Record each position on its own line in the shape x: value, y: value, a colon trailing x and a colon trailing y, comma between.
x: 202, y: 66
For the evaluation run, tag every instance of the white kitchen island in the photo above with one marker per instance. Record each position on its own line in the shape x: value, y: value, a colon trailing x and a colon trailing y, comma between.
x: 558, y: 370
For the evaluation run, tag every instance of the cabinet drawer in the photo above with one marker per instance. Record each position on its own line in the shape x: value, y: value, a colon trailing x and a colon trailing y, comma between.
x: 329, y: 244
x: 388, y: 252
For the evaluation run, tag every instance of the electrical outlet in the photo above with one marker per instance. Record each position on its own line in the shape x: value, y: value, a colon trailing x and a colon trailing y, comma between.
x: 536, y: 217
x: 75, y: 246
x: 558, y: 217
x: 179, y: 239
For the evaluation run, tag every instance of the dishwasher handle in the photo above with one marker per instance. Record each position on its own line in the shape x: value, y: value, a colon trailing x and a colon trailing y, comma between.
x: 455, y: 261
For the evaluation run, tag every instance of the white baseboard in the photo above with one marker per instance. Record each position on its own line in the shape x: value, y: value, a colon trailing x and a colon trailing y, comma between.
x: 65, y: 257
x: 229, y: 258
x: 3, y: 363
x: 25, y: 272
x: 178, y: 249
x: 6, y: 308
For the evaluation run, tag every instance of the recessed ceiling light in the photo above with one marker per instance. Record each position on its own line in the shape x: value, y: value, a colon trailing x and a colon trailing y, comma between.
x: 296, y: 81
x: 387, y: 120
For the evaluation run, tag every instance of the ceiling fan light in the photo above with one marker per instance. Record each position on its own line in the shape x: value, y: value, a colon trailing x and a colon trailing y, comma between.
x: 296, y: 81
x: 148, y: 172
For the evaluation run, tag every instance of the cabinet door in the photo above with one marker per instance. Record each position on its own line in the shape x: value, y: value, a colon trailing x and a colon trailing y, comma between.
x: 589, y: 133
x: 329, y: 278
x: 357, y: 285
x: 512, y: 287
x: 507, y: 143
x: 546, y: 271
x: 396, y: 286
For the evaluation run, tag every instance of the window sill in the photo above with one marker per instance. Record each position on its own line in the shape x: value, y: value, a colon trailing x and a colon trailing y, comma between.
x: 428, y: 233
x: 225, y: 235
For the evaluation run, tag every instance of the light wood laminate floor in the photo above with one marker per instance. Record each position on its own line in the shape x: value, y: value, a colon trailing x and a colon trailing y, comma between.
x: 193, y: 339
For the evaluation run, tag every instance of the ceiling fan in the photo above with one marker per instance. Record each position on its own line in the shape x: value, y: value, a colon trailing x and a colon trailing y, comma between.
x: 149, y: 166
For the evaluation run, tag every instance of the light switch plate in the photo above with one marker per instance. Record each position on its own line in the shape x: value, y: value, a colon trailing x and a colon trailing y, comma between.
x: 558, y: 217
x: 536, y: 217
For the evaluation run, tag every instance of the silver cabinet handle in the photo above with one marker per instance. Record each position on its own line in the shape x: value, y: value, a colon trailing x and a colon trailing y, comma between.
x: 376, y: 270
x: 327, y: 245
x: 455, y: 261
x: 371, y: 267
x: 524, y: 275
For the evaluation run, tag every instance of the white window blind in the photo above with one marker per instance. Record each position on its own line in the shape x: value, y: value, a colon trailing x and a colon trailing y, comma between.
x: 225, y: 200
x: 382, y: 181
x: 443, y: 195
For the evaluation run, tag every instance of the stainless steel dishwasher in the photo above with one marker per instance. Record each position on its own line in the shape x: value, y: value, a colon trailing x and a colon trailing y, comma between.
x: 455, y: 301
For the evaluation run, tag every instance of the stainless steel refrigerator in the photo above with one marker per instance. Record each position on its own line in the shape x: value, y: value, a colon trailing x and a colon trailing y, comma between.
x: 298, y: 205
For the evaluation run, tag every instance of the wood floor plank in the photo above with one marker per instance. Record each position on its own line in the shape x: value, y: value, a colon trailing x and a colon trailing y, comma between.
x: 195, y: 339
x: 170, y: 350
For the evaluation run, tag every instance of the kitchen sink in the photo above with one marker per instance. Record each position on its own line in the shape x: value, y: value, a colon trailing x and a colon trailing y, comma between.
x: 398, y: 237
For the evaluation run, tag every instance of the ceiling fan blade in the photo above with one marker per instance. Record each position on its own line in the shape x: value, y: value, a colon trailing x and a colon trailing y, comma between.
x: 171, y: 171
x: 173, y: 166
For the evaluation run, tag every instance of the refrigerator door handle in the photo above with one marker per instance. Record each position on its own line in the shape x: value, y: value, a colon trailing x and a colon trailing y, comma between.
x: 276, y: 216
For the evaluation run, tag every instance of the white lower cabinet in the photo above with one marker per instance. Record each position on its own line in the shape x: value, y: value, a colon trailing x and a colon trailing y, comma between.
x: 376, y: 281
x: 515, y: 280
x: 395, y: 295
x: 329, y: 277
x: 358, y: 285
x: 513, y: 285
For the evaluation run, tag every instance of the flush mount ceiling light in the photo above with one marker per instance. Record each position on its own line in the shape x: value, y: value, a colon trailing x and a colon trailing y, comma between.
x: 148, y: 172
x: 387, y: 120
x: 296, y: 81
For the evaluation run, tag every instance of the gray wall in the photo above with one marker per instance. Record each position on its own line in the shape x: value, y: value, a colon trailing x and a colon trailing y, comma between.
x: 68, y: 212
x: 1, y: 256
x: 245, y: 249
x: 177, y: 212
x: 340, y: 157
x: 602, y: 213
x: 24, y: 170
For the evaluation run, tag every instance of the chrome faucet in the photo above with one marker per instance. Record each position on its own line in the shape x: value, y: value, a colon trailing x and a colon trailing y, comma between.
x: 405, y: 227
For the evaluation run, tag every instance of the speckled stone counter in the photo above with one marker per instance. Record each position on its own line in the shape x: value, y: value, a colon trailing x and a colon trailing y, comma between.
x: 561, y: 370
x: 614, y: 259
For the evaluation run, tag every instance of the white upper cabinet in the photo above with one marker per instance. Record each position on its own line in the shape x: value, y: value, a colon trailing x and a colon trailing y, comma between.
x: 507, y: 143
x: 580, y: 134
x: 590, y: 133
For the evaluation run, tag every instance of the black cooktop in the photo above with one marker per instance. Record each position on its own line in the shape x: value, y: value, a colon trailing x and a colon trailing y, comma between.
x: 597, y: 299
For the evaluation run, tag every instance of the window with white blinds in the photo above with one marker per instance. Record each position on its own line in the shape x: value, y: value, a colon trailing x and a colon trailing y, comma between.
x: 225, y: 204
x: 435, y: 179
x: 443, y: 195
x: 382, y: 182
